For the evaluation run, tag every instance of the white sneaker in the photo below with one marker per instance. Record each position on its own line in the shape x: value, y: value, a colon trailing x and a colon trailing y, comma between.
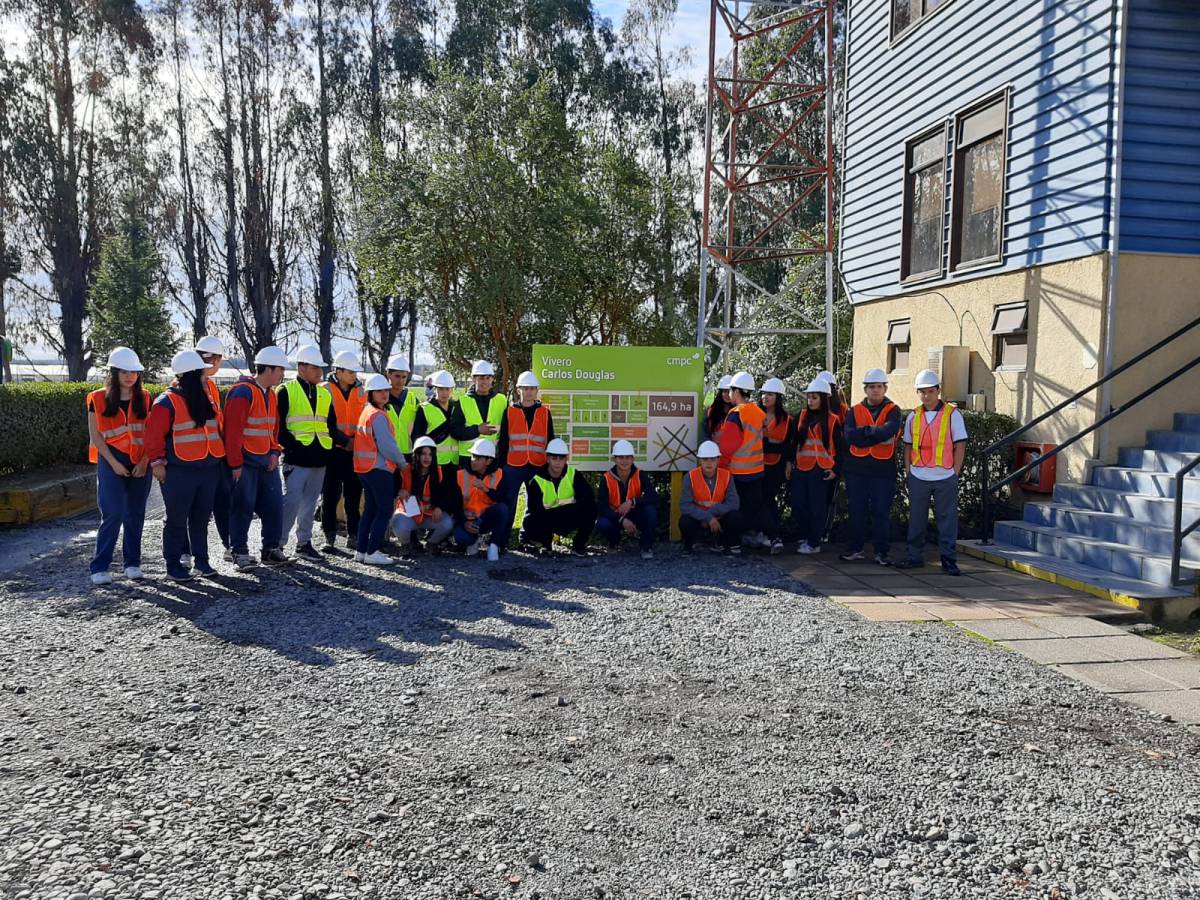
x: 101, y: 578
x: 493, y: 553
x: 377, y: 559
x: 647, y: 554
x: 186, y: 560
x: 133, y: 573
x: 474, y: 548
x: 776, y: 547
x: 807, y: 549
x: 360, y: 557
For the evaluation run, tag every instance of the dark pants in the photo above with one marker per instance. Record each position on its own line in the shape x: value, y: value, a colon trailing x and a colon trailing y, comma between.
x: 188, y: 494
x: 377, y: 512
x: 222, y: 501
x: 751, y: 504
x: 122, y: 503
x: 340, y: 478
x: 495, y: 520
x: 645, y: 517
x: 870, y: 500
x: 944, y: 497
x: 259, y: 492
x: 773, y: 480
x: 808, y: 494
x: 514, y: 477
x: 694, y: 530
x: 564, y: 520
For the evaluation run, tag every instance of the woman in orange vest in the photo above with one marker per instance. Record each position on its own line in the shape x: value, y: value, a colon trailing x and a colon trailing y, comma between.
x: 186, y: 452
x: 377, y: 456
x: 818, y: 435
x: 714, y: 416
x: 872, y: 430
x: 779, y: 435
x: 741, y: 446
x: 117, y: 425
x: 212, y: 351
x: 436, y: 497
x: 340, y: 478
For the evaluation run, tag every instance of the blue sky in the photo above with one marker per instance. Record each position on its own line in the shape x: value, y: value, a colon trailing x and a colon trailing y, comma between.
x: 690, y: 31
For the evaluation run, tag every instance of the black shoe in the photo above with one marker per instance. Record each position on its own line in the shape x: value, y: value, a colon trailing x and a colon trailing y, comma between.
x: 910, y: 564
x: 330, y: 539
x: 180, y: 574
x: 950, y: 567
x: 687, y: 550
x: 308, y: 551
x: 274, y: 557
x: 204, y: 569
x: 352, y: 543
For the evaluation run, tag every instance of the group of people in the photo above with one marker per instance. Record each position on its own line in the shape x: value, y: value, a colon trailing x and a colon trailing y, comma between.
x: 415, y: 470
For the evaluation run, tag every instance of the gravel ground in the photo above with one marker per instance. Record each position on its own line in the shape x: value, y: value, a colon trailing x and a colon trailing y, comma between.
x: 576, y: 728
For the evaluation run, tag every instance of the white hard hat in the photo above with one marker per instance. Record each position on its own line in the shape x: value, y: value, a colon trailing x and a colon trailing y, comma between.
x: 743, y: 381
x: 827, y: 376
x: 377, y: 383
x: 125, y: 359
x: 424, y: 441
x: 210, y: 344
x: 725, y: 382
x: 818, y: 386
x: 708, y: 450
x: 399, y: 363
x: 311, y: 354
x: 271, y: 356
x: 622, y: 448
x: 443, y: 379
x: 482, y: 367
x: 187, y: 361
x: 875, y: 376
x: 527, y: 379
x: 774, y: 386
x: 347, y: 360
x: 558, y: 447
x: 927, y: 378
x: 483, y: 447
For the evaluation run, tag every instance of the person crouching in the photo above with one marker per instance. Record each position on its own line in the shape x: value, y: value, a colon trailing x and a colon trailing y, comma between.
x: 709, y: 505
x: 560, y: 502
x: 436, y: 498
x: 484, y: 511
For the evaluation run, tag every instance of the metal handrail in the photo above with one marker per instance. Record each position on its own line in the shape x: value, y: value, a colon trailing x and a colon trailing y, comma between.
x: 1179, y: 531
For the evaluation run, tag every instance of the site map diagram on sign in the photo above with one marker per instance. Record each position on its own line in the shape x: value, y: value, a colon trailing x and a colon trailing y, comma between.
x: 649, y: 396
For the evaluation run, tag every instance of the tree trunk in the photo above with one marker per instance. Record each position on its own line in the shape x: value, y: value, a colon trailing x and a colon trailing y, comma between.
x: 326, y: 250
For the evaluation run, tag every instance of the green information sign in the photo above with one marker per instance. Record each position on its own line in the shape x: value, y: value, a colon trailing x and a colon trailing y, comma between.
x: 649, y: 396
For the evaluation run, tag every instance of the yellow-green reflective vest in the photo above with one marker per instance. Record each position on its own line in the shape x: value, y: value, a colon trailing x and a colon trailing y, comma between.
x: 497, y: 407
x: 302, y: 422
x: 402, y: 422
x: 447, y: 450
x: 563, y: 495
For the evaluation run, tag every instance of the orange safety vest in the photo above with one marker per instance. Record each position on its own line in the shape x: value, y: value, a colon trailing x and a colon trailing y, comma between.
x: 348, y: 410
x: 862, y: 418
x: 813, y: 448
x: 262, y: 424
x: 705, y: 498
x: 214, y: 397
x: 366, y: 451
x: 748, y: 458
x: 777, y: 433
x: 193, y: 442
x: 527, y: 443
x: 933, y: 444
x: 474, y: 491
x: 425, y: 501
x: 121, y: 432
x: 632, y: 491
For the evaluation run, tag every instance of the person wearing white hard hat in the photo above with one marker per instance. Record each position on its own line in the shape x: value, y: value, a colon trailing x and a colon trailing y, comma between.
x: 525, y: 431
x: 741, y: 446
x: 212, y: 351
x: 837, y: 402
x: 871, y: 431
x: 252, y: 451
x: 427, y: 502
x: 628, y: 502
x: 433, y: 421
x: 779, y: 435
x: 308, y: 432
x: 818, y: 443
x: 377, y: 456
x: 714, y: 416
x: 480, y: 411
x: 341, y: 483
x: 935, y: 438
x: 709, y: 506
x: 403, y: 402
x: 560, y: 502
x: 186, y: 453
x: 117, y: 416
x: 484, y: 518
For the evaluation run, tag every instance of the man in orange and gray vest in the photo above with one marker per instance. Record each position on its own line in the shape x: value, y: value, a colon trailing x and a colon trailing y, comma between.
x: 871, y: 431
x: 742, y: 454
x: 348, y: 402
x: 935, y: 438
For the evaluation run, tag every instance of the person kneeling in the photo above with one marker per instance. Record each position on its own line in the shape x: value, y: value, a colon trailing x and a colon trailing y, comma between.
x: 709, y: 506
x: 484, y: 511
x: 560, y: 502
x: 426, y: 502
x: 629, y: 502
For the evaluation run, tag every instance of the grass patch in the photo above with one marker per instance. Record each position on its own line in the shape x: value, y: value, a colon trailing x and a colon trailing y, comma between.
x: 1183, y: 635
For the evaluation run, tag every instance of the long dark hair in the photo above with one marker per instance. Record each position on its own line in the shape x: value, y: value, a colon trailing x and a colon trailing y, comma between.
x: 819, y: 416
x: 112, y: 395
x: 200, y: 408
x: 433, y: 463
x: 780, y: 410
x: 716, y: 413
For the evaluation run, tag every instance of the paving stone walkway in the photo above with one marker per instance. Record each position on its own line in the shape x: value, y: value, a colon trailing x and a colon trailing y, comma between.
x: 1074, y: 633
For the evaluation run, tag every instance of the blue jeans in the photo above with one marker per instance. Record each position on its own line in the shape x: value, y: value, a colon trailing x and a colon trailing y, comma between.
x: 377, y: 509
x: 495, y: 519
x: 644, y: 517
x: 257, y: 491
x: 188, y: 497
x: 122, y: 503
x: 220, y: 510
x: 944, y: 497
x: 870, y: 498
x: 808, y: 495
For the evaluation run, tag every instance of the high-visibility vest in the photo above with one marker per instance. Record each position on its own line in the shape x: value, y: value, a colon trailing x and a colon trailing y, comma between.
x: 425, y: 500
x: 862, y: 418
x: 933, y: 444
x: 813, y: 446
x: 302, y: 422
x: 192, y: 442
x: 366, y: 451
x: 474, y: 491
x: 258, y: 437
x: 706, y: 497
x: 561, y: 495
x: 633, y: 490
x: 214, y: 397
x: 777, y: 433
x: 527, y: 443
x: 348, y: 410
x: 126, y: 433
x: 402, y: 421
x: 470, y: 407
x: 748, y: 458
x: 447, y: 449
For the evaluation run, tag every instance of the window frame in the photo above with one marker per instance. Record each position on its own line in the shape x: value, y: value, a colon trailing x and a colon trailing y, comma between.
x: 1000, y: 338
x: 957, y: 182
x: 895, y: 38
x: 906, y: 276
x: 892, y: 345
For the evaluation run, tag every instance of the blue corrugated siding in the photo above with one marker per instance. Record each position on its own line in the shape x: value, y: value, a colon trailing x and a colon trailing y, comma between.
x: 1056, y: 59
x: 1160, y: 175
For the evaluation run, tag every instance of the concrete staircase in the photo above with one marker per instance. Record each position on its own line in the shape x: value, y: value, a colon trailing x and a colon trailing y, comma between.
x: 1112, y: 536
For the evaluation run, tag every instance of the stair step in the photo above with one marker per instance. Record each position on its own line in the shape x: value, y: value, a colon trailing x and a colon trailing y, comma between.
x: 1112, y: 527
x: 1187, y: 422
x: 1145, y: 483
x: 1174, y: 441
x: 1155, y: 460
x: 1158, y: 511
